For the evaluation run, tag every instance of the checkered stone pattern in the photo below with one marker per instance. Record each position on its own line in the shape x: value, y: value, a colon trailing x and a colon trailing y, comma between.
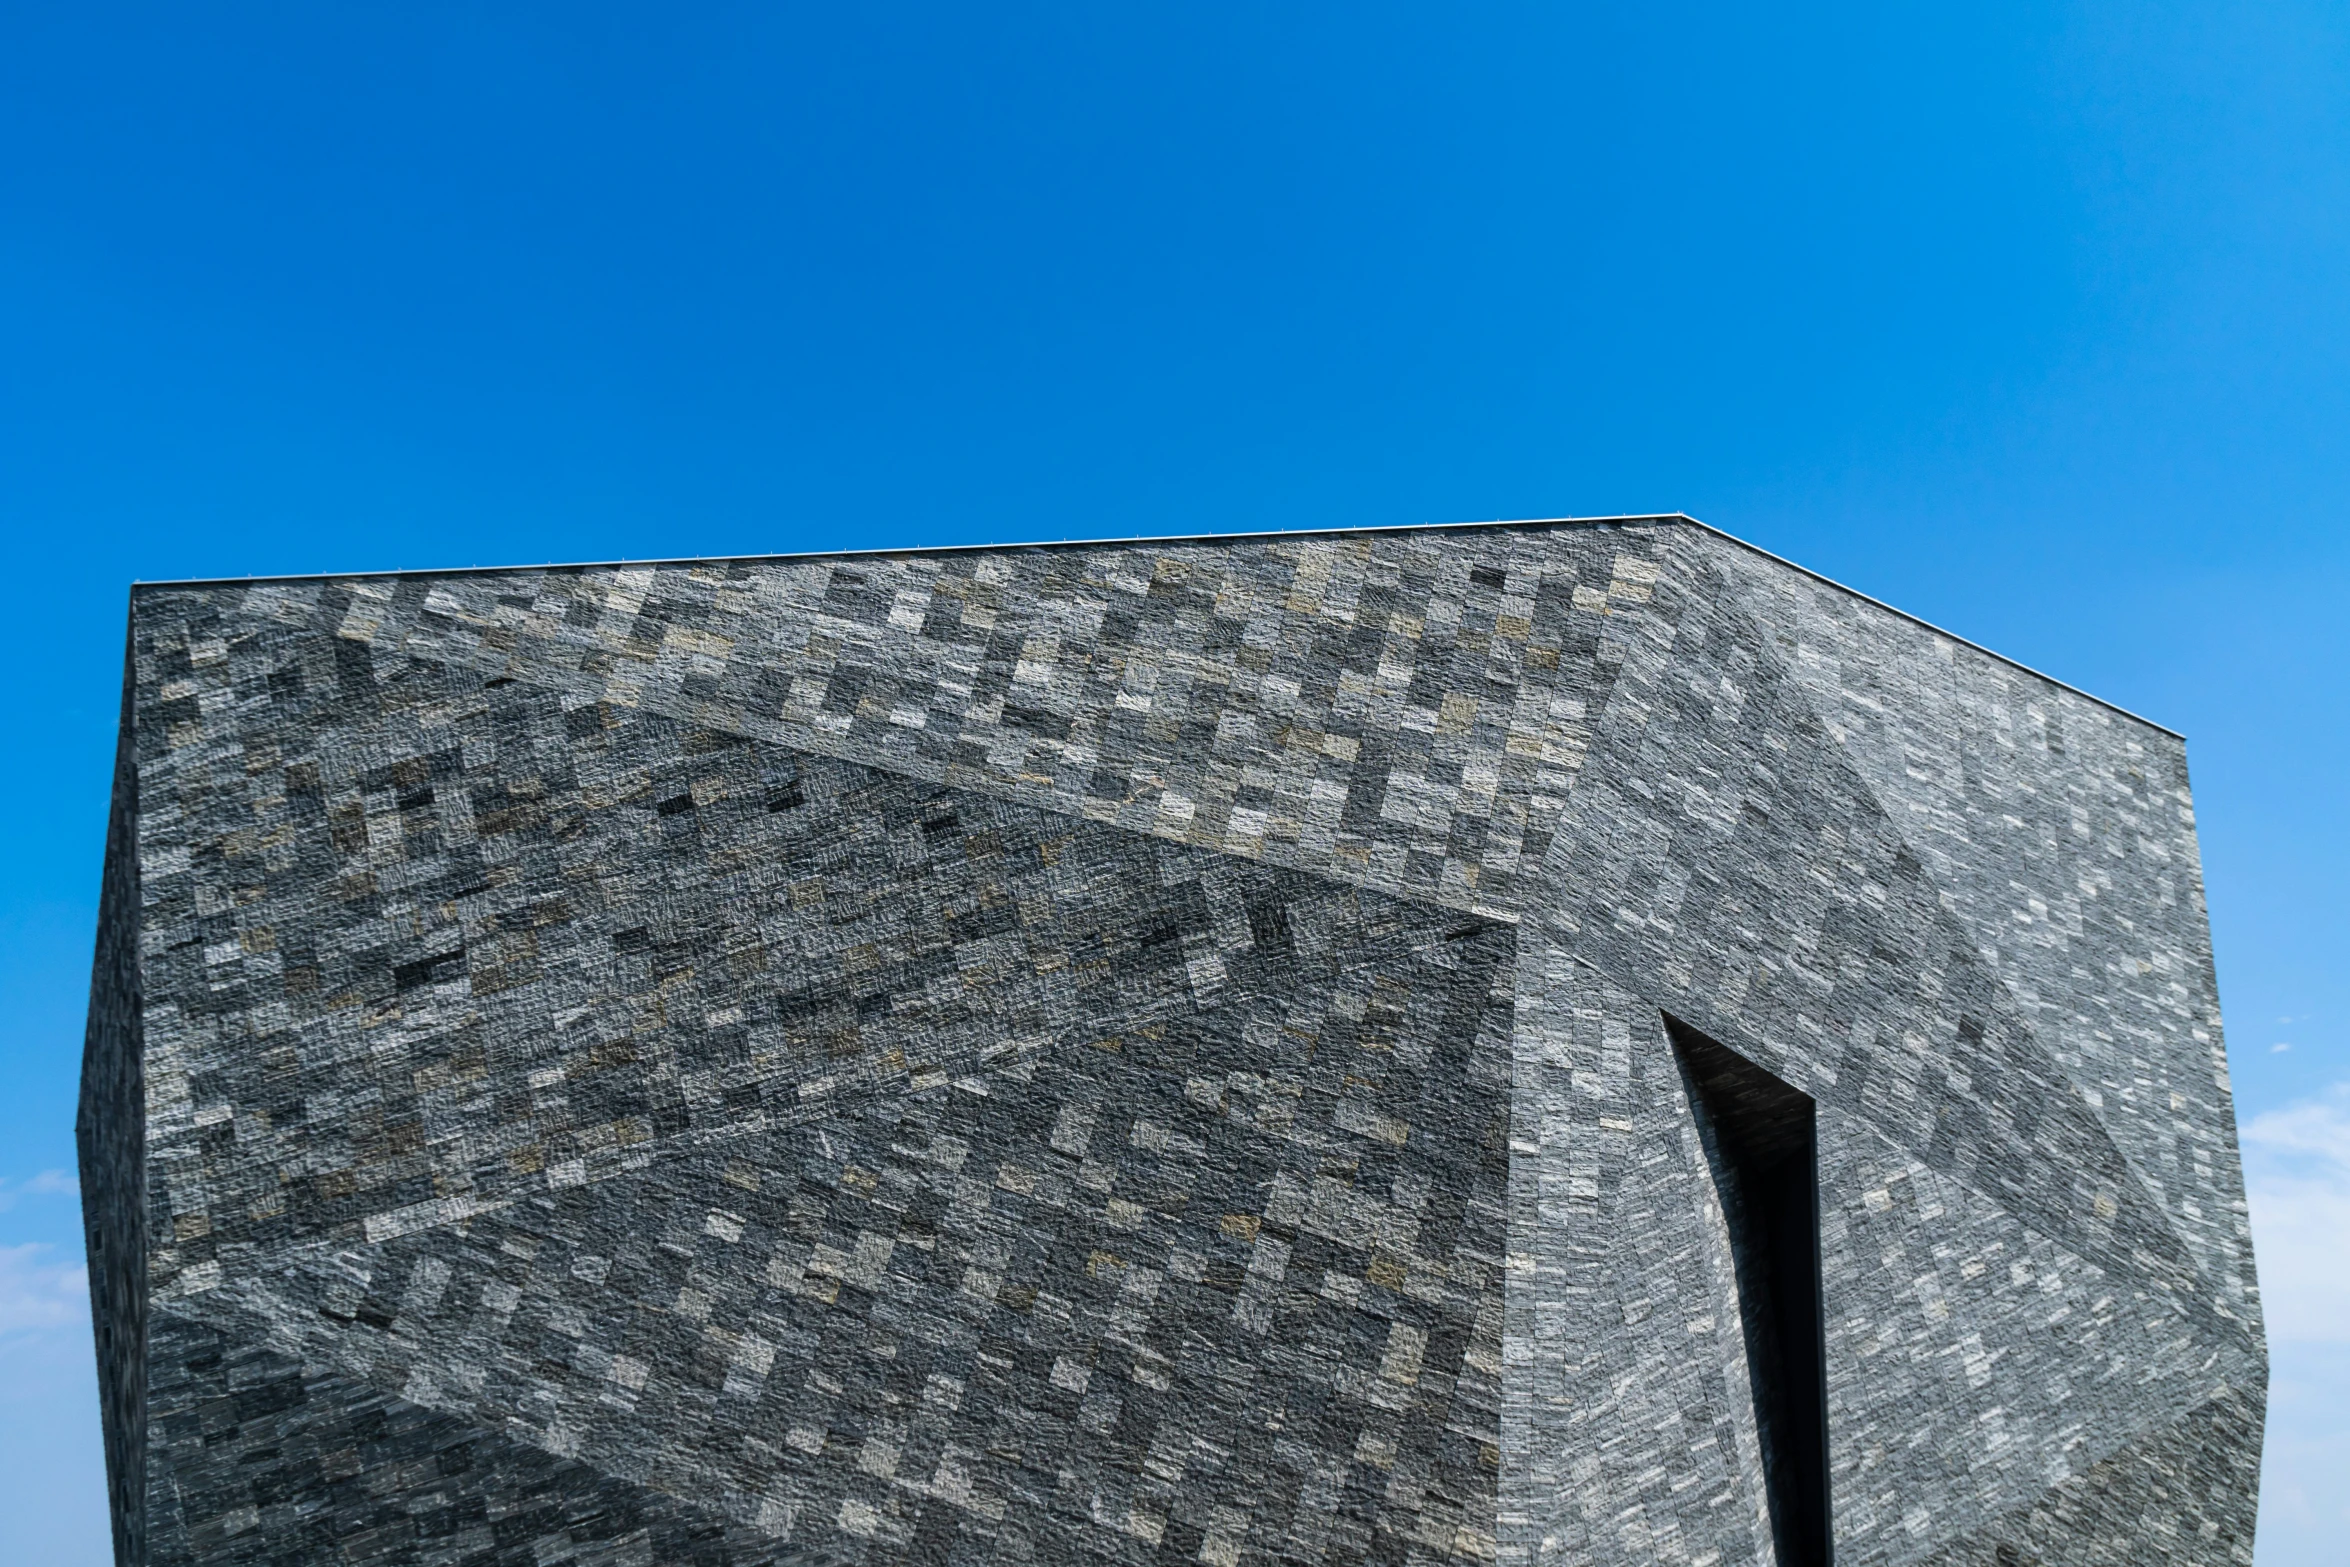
x: 1141, y: 1052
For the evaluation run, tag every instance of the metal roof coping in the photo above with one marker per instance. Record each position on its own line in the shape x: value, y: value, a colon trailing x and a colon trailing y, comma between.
x: 1186, y: 538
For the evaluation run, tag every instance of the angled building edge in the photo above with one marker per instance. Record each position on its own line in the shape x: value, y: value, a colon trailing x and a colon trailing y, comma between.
x: 1530, y: 1043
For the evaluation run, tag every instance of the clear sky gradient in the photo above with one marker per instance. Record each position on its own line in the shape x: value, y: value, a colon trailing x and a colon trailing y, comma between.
x: 2033, y: 320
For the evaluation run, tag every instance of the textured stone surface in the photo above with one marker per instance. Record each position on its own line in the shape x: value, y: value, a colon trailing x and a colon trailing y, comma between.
x: 1143, y: 1052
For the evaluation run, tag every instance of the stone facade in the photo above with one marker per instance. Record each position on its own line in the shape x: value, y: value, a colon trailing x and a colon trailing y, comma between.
x: 1216, y: 1051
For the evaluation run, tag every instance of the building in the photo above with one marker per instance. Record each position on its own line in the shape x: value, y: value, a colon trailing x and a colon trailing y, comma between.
x: 1546, y: 1043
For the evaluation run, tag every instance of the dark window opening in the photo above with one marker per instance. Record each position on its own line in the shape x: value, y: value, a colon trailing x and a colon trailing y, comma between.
x: 1761, y: 1139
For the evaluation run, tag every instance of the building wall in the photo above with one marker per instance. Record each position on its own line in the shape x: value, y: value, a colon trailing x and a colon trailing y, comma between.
x: 1151, y: 1051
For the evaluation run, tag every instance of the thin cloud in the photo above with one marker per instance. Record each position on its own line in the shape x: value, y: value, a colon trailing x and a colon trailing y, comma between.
x: 2297, y: 1177
x: 49, y: 1183
x: 37, y: 1293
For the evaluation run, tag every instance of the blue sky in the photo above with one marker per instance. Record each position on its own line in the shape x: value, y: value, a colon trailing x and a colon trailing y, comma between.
x: 2032, y: 320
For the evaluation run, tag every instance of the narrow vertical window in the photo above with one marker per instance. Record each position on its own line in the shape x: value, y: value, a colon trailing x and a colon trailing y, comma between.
x: 1761, y: 1139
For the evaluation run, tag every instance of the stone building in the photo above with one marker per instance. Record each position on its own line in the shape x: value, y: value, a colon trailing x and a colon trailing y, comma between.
x: 1547, y: 1043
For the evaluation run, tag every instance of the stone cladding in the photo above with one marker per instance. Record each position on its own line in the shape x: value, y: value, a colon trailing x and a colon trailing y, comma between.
x: 1147, y: 1052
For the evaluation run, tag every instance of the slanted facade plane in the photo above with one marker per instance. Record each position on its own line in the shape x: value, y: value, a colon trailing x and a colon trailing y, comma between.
x: 1548, y: 1043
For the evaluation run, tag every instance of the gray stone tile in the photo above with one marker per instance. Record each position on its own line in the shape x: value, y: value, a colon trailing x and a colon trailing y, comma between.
x: 1145, y: 1052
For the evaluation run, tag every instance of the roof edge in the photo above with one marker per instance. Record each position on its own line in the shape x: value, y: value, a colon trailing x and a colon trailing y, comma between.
x: 921, y: 549
x: 1920, y: 620
x: 1184, y: 538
